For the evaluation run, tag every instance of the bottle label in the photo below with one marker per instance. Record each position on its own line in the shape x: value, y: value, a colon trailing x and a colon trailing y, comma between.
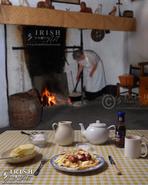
x: 120, y: 135
x: 121, y: 119
x: 119, y: 138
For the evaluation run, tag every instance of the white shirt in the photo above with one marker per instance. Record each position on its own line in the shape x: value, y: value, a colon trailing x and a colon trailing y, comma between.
x: 97, y: 81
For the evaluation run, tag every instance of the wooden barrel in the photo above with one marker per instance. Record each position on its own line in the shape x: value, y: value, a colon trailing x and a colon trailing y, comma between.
x: 24, y: 110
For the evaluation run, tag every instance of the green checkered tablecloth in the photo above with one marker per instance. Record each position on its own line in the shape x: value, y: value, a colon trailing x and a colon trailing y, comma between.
x: 134, y: 171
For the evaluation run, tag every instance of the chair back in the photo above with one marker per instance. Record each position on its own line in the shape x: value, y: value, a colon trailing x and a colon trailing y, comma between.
x: 135, y: 71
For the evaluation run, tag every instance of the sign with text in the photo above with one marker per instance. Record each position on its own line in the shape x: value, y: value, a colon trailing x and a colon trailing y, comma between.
x: 43, y: 36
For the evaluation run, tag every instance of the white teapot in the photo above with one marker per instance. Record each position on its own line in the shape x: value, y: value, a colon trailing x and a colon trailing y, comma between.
x: 96, y: 133
x: 64, y: 133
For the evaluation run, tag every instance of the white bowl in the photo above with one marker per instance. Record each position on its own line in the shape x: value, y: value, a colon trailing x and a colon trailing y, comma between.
x: 39, y: 138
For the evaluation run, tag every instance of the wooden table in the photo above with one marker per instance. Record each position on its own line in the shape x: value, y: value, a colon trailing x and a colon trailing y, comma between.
x: 134, y: 171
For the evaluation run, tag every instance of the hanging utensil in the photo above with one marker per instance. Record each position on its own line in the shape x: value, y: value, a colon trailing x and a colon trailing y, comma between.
x: 97, y: 35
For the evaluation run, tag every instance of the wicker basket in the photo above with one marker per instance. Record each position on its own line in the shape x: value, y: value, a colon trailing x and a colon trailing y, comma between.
x: 126, y: 80
x: 24, y: 110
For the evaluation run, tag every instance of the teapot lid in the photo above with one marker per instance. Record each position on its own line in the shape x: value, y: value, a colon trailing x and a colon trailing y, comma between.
x: 98, y: 124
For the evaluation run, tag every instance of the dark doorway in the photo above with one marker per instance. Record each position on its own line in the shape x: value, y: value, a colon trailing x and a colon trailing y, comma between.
x: 45, y: 56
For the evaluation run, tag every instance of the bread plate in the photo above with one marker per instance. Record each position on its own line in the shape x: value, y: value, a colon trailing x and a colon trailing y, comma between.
x: 15, y: 160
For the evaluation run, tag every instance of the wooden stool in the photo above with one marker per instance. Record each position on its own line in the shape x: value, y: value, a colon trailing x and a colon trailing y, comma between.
x: 126, y: 82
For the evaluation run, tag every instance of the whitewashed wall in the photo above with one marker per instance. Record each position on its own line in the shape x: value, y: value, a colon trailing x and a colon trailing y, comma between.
x: 138, y: 42
x: 117, y: 49
x: 3, y: 93
x: 18, y: 76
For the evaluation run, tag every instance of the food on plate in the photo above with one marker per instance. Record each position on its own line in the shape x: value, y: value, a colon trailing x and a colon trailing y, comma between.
x: 23, y: 150
x: 77, y: 159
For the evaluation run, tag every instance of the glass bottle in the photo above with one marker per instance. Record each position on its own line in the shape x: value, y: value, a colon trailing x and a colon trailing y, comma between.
x: 120, y: 130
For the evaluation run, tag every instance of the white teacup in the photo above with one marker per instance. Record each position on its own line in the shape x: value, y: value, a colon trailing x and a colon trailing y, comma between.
x: 133, y: 147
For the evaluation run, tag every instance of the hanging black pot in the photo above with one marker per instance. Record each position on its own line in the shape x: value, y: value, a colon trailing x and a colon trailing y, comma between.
x: 75, y: 96
x: 97, y: 35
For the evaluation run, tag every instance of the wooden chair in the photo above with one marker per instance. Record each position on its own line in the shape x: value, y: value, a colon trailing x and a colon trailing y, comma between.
x: 142, y: 66
x: 136, y: 72
x: 143, y: 88
x: 129, y: 81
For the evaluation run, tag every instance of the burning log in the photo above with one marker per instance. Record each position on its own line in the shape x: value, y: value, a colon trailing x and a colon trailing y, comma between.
x: 49, y: 98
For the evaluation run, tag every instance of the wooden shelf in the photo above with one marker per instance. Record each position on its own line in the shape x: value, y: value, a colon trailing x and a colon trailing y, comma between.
x: 46, y: 17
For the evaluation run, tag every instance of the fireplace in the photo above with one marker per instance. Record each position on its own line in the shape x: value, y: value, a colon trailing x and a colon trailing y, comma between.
x: 45, y: 58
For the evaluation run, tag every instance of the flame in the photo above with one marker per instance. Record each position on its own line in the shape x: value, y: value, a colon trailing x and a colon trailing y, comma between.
x: 48, y: 98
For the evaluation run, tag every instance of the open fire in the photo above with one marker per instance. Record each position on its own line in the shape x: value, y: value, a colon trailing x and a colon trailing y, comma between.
x: 48, y: 98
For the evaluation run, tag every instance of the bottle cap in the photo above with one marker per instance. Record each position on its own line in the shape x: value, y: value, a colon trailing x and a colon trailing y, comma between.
x: 121, y: 113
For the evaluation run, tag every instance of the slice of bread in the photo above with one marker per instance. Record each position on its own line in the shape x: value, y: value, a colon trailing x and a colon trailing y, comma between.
x: 23, y: 150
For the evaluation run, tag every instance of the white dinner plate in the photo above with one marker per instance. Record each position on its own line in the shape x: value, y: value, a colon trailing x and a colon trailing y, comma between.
x: 71, y: 170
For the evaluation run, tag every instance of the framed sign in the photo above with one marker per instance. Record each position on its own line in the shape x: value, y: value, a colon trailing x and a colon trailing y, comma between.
x: 68, y: 1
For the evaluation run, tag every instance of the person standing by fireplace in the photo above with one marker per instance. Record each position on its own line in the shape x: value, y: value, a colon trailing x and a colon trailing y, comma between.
x: 93, y: 72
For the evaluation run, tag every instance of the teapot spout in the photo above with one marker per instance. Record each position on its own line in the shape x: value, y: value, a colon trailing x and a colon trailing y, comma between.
x: 83, y: 131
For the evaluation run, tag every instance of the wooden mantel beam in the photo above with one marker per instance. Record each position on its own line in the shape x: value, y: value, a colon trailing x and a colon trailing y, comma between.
x: 59, y: 18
